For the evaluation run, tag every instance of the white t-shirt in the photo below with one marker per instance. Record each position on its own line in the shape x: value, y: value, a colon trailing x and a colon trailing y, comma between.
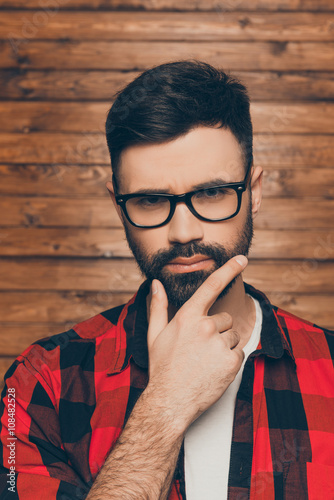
x: 207, y: 444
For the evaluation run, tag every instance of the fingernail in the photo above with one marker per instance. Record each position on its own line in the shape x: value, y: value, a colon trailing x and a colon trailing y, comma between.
x: 154, y: 287
x: 242, y: 260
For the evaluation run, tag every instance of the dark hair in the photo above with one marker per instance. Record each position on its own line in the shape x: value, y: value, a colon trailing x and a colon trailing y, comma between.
x: 167, y: 101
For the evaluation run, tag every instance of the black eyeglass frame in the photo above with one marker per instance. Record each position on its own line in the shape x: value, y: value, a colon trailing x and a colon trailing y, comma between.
x: 239, y: 188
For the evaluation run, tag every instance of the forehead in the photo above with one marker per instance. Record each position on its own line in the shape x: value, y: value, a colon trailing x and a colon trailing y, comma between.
x: 202, y: 154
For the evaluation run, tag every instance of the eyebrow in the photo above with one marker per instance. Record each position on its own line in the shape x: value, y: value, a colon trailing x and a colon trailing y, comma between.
x: 203, y: 185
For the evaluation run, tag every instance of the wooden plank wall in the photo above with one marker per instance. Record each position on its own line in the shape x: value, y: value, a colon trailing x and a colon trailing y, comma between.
x: 63, y: 256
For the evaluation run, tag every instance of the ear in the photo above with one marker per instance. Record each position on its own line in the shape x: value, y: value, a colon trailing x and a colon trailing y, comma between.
x: 110, y: 187
x: 256, y: 187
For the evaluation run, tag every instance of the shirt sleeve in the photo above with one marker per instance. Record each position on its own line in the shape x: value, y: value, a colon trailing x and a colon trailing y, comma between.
x: 33, y: 460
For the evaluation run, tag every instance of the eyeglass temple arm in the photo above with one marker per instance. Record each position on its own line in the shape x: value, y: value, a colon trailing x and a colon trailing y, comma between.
x: 249, y: 168
x: 114, y: 183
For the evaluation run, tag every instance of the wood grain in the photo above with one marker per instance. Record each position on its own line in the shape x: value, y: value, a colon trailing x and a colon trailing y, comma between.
x: 118, y: 275
x: 219, y: 6
x: 121, y: 275
x: 64, y: 242
x: 286, y: 118
x: 298, y: 182
x: 275, y: 213
x: 80, y: 181
x: 58, y: 212
x: 19, y: 83
x: 16, y: 337
x: 23, y: 307
x: 125, y: 55
x: 43, y: 147
x: 91, y: 242
x: 294, y: 213
x: 189, y: 26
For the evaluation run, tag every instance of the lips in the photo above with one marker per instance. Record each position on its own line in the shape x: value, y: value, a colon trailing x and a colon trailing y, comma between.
x: 189, y: 264
x: 187, y: 261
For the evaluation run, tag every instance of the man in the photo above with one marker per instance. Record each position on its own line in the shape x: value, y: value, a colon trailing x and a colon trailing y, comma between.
x: 198, y: 388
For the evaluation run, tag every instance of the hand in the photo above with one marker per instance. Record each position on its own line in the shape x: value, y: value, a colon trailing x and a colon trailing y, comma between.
x: 195, y: 357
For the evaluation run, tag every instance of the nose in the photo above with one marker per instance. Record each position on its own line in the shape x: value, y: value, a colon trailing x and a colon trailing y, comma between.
x: 184, y: 226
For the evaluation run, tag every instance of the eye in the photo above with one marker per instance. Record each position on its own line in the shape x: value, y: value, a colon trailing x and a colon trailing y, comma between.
x: 214, y: 193
x: 150, y: 201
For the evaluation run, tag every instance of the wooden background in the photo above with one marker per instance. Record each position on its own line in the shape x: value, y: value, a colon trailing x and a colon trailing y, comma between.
x: 62, y: 252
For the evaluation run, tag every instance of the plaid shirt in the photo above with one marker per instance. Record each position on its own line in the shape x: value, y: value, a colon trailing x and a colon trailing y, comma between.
x: 75, y: 391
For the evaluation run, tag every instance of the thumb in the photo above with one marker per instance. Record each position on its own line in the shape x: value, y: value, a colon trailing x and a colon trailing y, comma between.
x: 158, y: 312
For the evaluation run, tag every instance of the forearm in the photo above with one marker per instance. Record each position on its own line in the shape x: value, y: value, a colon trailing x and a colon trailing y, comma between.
x: 142, y: 463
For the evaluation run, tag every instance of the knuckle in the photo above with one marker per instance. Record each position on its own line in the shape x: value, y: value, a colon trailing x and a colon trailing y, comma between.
x: 227, y: 319
x: 180, y: 317
x: 235, y: 362
x: 235, y: 333
x: 208, y: 326
x: 235, y: 359
x: 235, y: 336
x: 230, y: 338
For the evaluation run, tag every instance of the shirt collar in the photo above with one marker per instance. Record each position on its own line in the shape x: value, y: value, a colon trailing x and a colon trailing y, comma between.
x: 273, y: 341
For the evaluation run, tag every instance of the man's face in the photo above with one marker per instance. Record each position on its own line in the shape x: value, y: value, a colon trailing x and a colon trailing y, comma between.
x: 184, y: 252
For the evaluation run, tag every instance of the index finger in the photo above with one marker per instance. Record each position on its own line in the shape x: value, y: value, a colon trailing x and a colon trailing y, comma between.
x: 207, y: 293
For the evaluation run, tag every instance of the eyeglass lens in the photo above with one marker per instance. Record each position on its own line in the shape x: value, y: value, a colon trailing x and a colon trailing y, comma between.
x: 213, y: 203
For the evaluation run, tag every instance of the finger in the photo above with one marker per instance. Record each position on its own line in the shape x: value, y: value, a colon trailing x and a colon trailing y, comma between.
x: 207, y: 293
x: 223, y: 320
x: 241, y: 356
x: 158, y: 315
x: 231, y: 337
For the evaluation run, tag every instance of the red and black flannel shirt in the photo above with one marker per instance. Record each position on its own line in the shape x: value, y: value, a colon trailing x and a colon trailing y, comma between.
x: 74, y: 392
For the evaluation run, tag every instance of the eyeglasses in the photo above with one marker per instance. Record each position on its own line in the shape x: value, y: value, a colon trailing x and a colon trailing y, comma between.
x: 213, y: 204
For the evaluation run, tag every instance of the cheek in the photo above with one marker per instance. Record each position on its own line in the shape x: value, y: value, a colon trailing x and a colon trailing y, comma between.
x: 220, y: 232
x: 226, y: 233
x: 150, y: 240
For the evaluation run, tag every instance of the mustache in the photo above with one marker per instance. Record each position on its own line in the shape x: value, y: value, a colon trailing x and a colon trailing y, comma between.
x: 163, y: 257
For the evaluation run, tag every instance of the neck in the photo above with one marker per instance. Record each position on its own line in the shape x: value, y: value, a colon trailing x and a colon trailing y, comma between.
x: 242, y: 309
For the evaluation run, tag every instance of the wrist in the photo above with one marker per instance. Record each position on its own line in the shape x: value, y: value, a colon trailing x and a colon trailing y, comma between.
x: 166, y: 414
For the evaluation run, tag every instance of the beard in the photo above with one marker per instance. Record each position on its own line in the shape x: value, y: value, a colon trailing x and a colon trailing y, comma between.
x: 180, y: 287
